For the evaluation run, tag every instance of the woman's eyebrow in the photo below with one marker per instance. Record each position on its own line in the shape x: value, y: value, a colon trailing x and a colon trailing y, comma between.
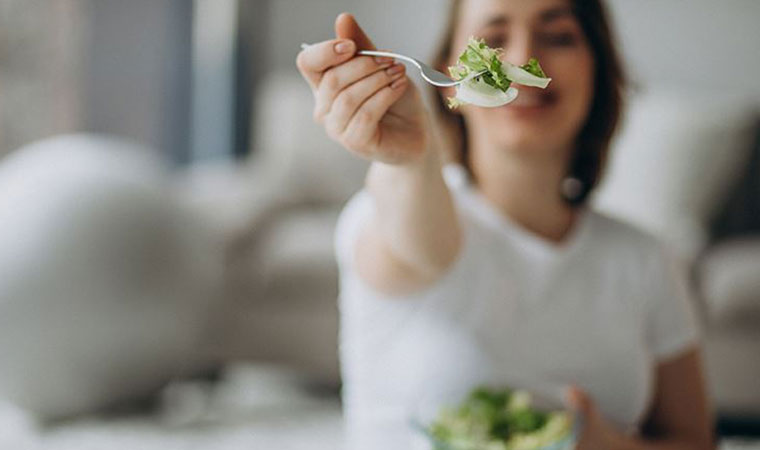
x: 556, y: 13
x: 495, y: 21
x: 548, y: 15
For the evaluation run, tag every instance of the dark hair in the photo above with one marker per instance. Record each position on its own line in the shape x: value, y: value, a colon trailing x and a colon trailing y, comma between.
x: 593, y: 141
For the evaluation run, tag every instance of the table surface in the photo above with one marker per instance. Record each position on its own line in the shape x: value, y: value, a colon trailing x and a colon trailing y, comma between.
x: 251, y: 407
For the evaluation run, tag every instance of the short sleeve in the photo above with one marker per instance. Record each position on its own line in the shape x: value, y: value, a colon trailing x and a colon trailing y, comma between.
x: 673, y: 326
x: 460, y: 281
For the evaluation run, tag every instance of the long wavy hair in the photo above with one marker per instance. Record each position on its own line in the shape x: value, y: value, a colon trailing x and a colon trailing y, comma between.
x: 593, y: 140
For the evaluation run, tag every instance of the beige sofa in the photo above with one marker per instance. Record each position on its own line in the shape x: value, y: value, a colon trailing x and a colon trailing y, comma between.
x: 677, y: 162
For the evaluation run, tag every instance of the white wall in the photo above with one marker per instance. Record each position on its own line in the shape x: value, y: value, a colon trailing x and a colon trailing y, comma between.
x: 404, y: 26
x: 136, y: 72
x: 684, y: 44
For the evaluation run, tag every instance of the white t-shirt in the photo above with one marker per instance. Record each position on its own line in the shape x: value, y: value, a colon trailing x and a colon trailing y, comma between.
x: 598, y: 311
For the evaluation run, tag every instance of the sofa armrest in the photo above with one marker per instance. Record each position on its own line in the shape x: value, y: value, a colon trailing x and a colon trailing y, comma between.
x: 234, y: 199
x: 729, y: 275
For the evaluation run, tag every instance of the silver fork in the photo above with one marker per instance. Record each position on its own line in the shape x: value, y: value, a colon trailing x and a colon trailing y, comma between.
x: 429, y: 74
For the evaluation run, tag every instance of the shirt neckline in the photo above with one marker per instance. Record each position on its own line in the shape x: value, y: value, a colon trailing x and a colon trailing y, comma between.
x: 537, y: 245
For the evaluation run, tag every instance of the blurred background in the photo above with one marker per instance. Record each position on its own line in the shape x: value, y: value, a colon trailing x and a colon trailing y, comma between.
x: 167, y: 277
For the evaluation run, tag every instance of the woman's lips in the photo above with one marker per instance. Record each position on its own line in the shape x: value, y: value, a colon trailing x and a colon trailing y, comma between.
x: 528, y: 101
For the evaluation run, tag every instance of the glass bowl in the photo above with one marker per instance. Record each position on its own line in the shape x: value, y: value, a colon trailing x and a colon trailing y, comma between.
x: 426, y: 412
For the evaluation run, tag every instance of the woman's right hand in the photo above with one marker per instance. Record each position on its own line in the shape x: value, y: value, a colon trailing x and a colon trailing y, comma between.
x: 368, y: 106
x: 415, y: 235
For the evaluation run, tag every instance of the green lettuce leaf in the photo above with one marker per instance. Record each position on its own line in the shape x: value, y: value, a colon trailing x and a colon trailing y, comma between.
x: 476, y: 57
x: 533, y: 68
x: 497, y: 78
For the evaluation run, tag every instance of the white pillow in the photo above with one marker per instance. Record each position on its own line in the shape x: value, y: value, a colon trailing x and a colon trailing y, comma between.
x: 105, y: 280
x: 674, y: 162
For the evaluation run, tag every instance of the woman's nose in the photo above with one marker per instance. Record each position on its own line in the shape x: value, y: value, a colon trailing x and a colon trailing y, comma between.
x: 520, y: 48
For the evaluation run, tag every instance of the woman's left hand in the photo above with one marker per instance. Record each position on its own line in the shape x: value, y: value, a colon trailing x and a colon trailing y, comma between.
x: 597, y: 433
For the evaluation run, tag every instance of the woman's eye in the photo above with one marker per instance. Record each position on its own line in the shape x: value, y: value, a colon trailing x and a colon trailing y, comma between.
x: 557, y: 39
x: 495, y: 41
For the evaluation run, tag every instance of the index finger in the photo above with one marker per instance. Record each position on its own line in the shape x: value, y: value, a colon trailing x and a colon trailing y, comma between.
x: 315, y: 59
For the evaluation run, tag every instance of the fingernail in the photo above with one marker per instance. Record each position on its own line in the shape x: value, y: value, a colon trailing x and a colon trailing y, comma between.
x: 383, y: 60
x: 344, y: 47
x: 395, y: 69
x: 398, y: 83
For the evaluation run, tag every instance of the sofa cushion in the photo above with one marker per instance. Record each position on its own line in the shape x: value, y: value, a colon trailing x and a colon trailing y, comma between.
x: 674, y: 162
x: 289, y: 143
x: 732, y: 369
x: 286, y: 297
x: 729, y: 275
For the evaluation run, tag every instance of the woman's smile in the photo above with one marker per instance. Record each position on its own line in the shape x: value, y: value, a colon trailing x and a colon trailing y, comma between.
x: 531, y: 102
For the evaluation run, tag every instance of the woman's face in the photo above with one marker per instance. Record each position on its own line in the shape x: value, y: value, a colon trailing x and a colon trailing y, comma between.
x: 538, y: 120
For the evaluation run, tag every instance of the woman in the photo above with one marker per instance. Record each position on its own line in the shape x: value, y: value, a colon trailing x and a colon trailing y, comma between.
x: 497, y: 273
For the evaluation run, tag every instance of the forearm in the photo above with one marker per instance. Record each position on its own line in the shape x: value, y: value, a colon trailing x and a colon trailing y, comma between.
x: 416, y: 218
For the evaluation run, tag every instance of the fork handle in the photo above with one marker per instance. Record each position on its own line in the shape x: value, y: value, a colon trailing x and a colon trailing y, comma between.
x: 304, y: 46
x: 390, y: 55
x: 379, y: 53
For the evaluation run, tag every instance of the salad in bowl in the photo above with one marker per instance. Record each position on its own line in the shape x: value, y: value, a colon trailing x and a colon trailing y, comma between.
x: 499, y: 419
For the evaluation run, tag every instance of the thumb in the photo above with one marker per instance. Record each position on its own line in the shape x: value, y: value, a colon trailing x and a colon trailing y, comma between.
x: 346, y: 27
x: 579, y: 402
